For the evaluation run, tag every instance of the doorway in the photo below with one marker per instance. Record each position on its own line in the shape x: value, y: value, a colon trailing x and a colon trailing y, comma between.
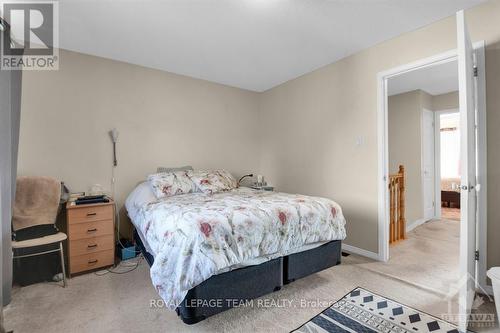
x: 385, y: 169
x: 448, y: 163
x: 414, y: 98
x: 414, y: 102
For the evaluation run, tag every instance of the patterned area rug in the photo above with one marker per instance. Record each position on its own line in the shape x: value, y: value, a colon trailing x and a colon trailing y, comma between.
x: 366, y: 312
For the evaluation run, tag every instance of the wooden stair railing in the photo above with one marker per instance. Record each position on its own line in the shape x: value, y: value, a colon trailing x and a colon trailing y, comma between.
x: 397, y: 229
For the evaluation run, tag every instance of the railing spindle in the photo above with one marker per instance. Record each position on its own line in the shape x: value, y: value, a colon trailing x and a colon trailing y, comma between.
x: 397, y: 229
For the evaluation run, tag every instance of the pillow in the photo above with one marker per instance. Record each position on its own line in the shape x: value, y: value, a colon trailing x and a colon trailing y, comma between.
x: 172, y: 183
x: 182, y: 168
x: 213, y: 181
x: 140, y: 196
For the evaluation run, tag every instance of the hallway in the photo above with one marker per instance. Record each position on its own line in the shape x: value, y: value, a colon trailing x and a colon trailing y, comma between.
x: 428, y: 257
x: 428, y: 260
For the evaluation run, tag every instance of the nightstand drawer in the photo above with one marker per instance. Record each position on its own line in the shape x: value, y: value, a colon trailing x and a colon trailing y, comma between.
x: 90, y: 229
x: 91, y: 261
x: 91, y: 239
x: 91, y: 245
x: 88, y: 214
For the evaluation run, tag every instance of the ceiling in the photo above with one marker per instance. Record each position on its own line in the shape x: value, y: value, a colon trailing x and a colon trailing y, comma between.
x: 434, y: 80
x: 250, y: 44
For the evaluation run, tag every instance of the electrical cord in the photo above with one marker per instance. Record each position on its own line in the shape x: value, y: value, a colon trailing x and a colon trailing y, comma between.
x: 118, y: 237
x: 131, y: 265
x: 117, y: 214
x: 122, y: 264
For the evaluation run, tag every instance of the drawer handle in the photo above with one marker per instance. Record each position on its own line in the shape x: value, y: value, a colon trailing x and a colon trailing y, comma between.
x: 91, y: 214
x: 92, y: 230
x: 90, y: 246
x: 92, y: 261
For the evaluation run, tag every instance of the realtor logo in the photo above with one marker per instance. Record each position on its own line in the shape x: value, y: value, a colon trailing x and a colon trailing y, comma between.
x: 32, y: 42
x: 475, y: 318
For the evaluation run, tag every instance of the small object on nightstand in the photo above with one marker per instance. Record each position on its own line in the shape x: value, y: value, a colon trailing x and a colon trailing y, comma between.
x: 91, y: 199
x: 262, y: 187
x: 91, y: 239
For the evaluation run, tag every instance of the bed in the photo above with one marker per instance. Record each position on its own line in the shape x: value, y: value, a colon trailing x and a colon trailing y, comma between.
x: 209, y: 252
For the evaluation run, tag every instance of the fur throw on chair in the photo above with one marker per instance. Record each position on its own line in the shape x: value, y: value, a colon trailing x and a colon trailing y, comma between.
x: 36, y: 203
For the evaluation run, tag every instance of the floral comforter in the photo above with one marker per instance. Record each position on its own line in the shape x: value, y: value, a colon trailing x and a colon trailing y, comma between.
x: 195, y: 236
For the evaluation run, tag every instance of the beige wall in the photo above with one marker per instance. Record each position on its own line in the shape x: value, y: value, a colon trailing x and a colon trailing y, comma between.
x: 493, y: 137
x: 163, y: 119
x: 405, y: 133
x: 445, y: 101
x: 312, y: 124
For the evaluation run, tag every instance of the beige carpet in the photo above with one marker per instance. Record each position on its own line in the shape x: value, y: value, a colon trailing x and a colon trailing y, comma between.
x: 427, y: 258
x: 121, y: 303
x: 450, y: 213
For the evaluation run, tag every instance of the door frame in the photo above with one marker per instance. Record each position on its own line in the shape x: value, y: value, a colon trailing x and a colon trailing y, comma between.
x: 437, y: 156
x: 383, y: 152
x: 422, y: 177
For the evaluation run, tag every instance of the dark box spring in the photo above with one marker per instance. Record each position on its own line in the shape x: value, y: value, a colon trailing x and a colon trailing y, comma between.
x: 223, y: 291
x: 305, y: 263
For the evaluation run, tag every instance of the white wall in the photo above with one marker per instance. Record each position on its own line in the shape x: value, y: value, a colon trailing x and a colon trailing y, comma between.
x: 445, y: 101
x: 450, y: 145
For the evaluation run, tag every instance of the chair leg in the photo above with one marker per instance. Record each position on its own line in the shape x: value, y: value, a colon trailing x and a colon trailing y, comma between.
x: 62, y: 263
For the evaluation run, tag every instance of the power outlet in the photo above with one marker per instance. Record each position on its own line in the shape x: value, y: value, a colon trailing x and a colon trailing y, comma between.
x: 360, y: 141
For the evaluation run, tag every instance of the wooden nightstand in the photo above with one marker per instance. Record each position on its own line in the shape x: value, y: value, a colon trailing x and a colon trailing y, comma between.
x: 91, y: 236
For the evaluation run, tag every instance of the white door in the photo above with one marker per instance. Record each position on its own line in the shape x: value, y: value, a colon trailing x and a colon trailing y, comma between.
x: 428, y: 172
x: 468, y: 168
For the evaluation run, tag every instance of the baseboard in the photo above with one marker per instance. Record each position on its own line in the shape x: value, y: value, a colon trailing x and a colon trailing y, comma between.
x: 414, y: 224
x: 356, y: 250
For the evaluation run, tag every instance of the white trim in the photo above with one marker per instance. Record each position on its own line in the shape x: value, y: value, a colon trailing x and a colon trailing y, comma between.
x: 356, y: 250
x: 437, y: 163
x: 468, y: 160
x: 383, y: 174
x: 422, y: 166
x: 447, y: 111
x: 414, y: 224
x: 481, y: 169
x: 382, y: 148
x: 438, y: 59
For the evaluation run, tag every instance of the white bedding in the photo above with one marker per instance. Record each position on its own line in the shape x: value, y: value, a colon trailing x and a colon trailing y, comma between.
x: 194, y: 236
x: 142, y: 195
x: 245, y: 263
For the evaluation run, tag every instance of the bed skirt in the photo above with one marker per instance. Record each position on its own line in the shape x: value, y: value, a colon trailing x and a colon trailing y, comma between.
x: 234, y: 288
x: 302, y: 264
